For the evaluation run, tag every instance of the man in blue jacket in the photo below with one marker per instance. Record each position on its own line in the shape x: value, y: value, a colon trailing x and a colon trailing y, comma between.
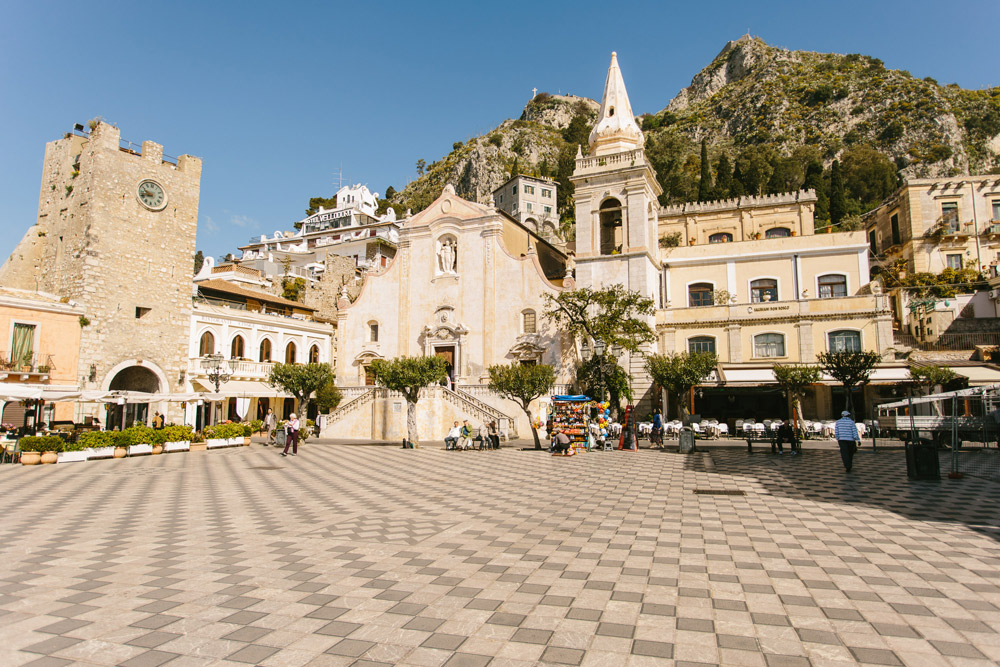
x: 846, y: 433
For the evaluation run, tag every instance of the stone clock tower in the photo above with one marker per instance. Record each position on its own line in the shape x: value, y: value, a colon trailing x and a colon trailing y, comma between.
x: 616, y: 210
x: 116, y: 233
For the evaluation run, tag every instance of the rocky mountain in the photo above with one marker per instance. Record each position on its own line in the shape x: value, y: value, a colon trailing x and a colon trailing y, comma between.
x: 773, y: 114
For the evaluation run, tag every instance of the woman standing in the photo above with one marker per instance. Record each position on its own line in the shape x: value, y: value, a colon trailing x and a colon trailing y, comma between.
x: 292, y: 435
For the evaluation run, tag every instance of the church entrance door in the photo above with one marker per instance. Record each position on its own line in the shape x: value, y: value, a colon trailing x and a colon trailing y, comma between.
x: 447, y: 352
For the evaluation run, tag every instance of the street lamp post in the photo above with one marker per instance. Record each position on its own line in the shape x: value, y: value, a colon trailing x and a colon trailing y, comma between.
x: 216, y: 370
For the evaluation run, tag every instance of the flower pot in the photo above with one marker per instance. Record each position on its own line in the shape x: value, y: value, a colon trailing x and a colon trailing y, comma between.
x: 246, y: 441
x: 74, y: 457
x: 196, y: 446
x: 157, y: 449
x: 120, y: 452
x: 133, y: 450
x: 30, y: 458
x: 100, y: 452
x: 50, y: 457
x: 179, y: 446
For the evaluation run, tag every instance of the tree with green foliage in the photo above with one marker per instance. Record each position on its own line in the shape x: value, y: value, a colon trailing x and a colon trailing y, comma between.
x: 679, y: 372
x: 328, y: 397
x: 408, y: 375
x: 301, y: 381
x: 614, y: 315
x: 522, y: 384
x: 849, y: 369
x: 931, y: 376
x: 705, y: 188
x: 421, y: 166
x: 869, y: 177
x: 794, y: 380
x: 814, y: 181
x: 602, y: 378
x: 315, y: 203
x: 515, y: 168
x: 199, y: 260
x: 723, y: 178
x: 838, y: 194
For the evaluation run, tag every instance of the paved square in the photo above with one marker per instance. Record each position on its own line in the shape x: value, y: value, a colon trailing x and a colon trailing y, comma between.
x: 382, y: 556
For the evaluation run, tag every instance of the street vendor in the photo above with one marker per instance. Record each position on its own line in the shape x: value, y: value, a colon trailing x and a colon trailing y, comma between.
x: 560, y: 443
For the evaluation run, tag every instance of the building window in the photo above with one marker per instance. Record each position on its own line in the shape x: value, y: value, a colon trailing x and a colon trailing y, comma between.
x: 547, y: 209
x: 949, y: 215
x: 373, y: 332
x: 765, y: 289
x: 314, y: 354
x: 546, y: 193
x: 777, y: 233
x: 290, y: 353
x: 701, y: 344
x: 700, y: 294
x: 873, y: 242
x: 207, y: 344
x: 529, y: 322
x: 954, y: 261
x: 769, y: 345
x: 22, y: 345
x: 527, y: 206
x: 611, y: 227
x: 832, y: 285
x: 894, y: 224
x: 721, y: 237
x: 236, y: 348
x: 996, y: 210
x: 845, y: 341
x: 265, y: 351
x: 529, y: 189
x: 500, y: 199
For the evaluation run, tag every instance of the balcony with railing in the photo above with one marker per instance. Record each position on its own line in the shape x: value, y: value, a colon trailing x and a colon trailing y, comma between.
x: 31, y: 366
x: 241, y: 369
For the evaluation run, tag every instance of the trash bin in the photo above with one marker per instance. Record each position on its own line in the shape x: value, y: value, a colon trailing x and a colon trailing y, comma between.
x: 686, y: 440
x: 279, y: 438
x: 922, y: 462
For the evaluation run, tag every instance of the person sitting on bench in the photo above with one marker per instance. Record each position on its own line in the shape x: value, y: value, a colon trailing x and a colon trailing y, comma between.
x: 451, y: 440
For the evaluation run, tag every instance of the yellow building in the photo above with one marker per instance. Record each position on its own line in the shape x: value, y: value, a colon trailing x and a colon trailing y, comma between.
x: 41, y: 350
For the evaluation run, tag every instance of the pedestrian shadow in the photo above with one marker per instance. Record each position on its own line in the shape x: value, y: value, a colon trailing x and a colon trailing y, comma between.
x: 878, y: 480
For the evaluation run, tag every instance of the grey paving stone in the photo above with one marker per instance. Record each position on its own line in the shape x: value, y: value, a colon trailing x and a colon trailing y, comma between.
x: 562, y: 656
x: 875, y: 656
x: 64, y: 626
x: 153, y: 639
x: 775, y: 660
x: 424, y: 623
x: 695, y: 624
x: 616, y: 630
x: 150, y: 659
x: 248, y: 617
x: 653, y: 649
x: 957, y: 650
x: 253, y: 654
x: 250, y: 634
x: 581, y: 614
x: 895, y: 630
x: 156, y: 621
x: 468, y: 660
x: 407, y: 609
x: 817, y: 636
x: 52, y: 645
x: 504, y: 618
x: 738, y: 642
x: 444, y: 641
x: 531, y: 636
x: 353, y: 648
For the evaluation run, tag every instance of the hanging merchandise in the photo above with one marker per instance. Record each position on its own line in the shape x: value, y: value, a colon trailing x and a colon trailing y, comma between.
x: 628, y: 441
x: 571, y: 415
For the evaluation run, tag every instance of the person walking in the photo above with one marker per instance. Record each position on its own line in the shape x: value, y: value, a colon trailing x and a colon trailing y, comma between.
x: 656, y: 435
x: 846, y: 433
x: 271, y: 426
x: 292, y: 435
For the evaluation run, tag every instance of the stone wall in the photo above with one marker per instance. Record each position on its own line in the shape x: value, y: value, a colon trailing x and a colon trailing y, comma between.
x: 127, y: 265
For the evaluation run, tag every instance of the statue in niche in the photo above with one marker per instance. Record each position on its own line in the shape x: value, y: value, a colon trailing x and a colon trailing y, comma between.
x: 447, y: 256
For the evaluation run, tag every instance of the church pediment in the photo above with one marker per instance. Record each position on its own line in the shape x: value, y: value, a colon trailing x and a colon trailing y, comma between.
x: 449, y: 206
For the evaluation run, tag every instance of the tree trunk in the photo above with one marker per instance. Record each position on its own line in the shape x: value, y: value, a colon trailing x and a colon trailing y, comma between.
x: 411, y: 423
x: 850, y: 400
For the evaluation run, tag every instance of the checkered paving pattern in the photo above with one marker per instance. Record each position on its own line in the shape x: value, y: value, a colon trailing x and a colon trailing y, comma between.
x: 384, y: 556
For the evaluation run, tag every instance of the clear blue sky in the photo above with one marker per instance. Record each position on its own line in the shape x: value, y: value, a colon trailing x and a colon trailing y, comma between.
x: 277, y: 97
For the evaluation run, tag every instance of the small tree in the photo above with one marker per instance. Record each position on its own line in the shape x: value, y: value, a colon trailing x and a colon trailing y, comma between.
x: 301, y: 381
x: 601, y: 377
x: 794, y: 380
x: 328, y: 397
x: 705, y: 187
x: 522, y: 384
x: 199, y: 260
x: 929, y: 377
x: 678, y: 372
x: 849, y: 369
x: 409, y: 375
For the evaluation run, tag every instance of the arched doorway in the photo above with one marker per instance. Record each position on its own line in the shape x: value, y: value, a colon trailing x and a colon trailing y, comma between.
x: 131, y: 378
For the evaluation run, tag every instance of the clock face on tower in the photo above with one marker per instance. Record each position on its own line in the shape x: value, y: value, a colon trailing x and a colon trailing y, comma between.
x: 151, y: 195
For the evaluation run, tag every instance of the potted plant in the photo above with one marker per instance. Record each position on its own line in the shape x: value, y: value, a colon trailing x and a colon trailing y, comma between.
x: 247, y: 432
x: 157, y: 438
x: 197, y: 442
x: 140, y: 439
x: 121, y: 441
x: 73, y: 452
x: 44, y: 368
x: 177, y: 438
x: 46, y: 446
x: 97, y: 444
x: 31, y: 450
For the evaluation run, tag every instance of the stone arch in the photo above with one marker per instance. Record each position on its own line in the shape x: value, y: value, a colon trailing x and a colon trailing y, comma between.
x: 162, y: 383
x: 612, y: 230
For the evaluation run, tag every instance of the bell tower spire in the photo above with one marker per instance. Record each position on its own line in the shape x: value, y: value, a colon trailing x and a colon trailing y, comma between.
x: 616, y: 129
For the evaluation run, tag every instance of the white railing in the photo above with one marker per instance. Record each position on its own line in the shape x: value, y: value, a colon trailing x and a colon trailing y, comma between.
x: 351, y: 406
x: 238, y: 368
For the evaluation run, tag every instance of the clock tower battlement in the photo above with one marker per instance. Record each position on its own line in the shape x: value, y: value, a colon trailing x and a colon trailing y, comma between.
x: 116, y: 232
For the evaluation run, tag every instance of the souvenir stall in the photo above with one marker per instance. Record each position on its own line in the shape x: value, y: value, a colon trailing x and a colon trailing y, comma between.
x: 571, y: 415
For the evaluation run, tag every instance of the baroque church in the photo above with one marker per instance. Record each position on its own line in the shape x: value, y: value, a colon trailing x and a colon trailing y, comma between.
x: 748, y: 279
